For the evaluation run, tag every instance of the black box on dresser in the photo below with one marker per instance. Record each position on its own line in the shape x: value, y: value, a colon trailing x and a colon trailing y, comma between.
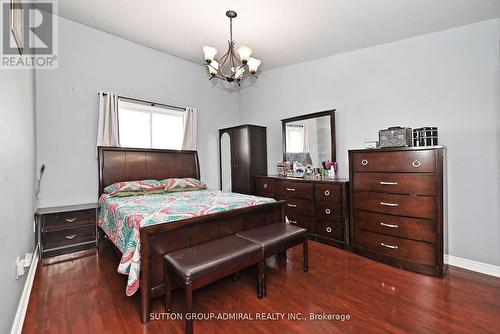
x: 66, y: 229
x: 318, y: 205
x: 398, y: 206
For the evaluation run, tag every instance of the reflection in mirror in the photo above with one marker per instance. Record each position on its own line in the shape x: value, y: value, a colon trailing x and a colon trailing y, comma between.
x: 308, y: 141
x: 225, y: 149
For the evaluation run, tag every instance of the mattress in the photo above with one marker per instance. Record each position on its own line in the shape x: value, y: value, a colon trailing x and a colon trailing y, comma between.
x: 122, y: 217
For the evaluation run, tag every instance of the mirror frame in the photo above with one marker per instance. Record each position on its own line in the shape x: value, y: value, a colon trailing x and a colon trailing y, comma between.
x: 330, y: 113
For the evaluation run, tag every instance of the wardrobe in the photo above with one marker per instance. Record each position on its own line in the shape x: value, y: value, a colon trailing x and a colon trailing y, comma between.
x: 242, y: 156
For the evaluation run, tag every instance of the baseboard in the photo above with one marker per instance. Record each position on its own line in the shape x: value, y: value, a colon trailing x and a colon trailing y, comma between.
x: 17, y: 326
x: 479, y: 267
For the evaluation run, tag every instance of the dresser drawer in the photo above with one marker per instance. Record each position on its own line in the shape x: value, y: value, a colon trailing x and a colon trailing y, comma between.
x: 403, y: 205
x: 328, y: 192
x: 293, y: 189
x: 308, y: 223
x: 70, y: 219
x: 396, y: 183
x: 265, y: 186
x: 404, y: 249
x: 329, y: 210
x: 299, y: 206
x: 400, y: 161
x: 410, y: 228
x: 330, y: 229
x: 68, y: 237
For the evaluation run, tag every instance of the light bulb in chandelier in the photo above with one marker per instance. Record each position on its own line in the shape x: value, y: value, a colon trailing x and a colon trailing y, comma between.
x: 253, y: 65
x: 238, y: 72
x: 213, y: 67
x: 244, y: 52
x: 210, y: 53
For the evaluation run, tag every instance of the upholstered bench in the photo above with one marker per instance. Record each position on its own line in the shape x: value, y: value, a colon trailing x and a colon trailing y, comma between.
x: 276, y: 238
x: 194, y: 267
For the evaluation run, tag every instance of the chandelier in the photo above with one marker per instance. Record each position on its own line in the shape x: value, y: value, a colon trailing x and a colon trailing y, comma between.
x: 231, y: 68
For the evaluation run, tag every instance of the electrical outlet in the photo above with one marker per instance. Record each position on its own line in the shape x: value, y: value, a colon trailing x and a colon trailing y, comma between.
x: 19, y: 267
x: 28, y: 258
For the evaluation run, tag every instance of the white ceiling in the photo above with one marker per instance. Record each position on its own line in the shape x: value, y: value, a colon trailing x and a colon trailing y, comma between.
x: 281, y: 32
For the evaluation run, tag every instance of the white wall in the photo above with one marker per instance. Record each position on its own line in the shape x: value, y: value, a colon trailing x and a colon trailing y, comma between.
x: 17, y: 173
x: 67, y: 106
x: 447, y: 79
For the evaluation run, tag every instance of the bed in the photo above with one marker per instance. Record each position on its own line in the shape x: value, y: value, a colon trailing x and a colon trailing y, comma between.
x: 162, y: 223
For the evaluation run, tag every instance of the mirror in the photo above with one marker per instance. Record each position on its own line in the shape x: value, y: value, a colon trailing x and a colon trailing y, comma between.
x: 225, y: 160
x: 309, y: 139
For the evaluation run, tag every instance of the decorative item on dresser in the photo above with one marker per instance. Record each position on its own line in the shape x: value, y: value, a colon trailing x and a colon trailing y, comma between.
x: 398, y: 206
x: 66, y: 229
x: 319, y: 205
x: 243, y: 155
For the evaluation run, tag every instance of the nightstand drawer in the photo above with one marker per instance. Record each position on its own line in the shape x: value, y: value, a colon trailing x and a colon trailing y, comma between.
x: 68, y: 237
x: 70, y: 219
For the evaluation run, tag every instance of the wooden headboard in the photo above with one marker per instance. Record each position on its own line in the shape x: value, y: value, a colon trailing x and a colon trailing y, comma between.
x: 118, y: 164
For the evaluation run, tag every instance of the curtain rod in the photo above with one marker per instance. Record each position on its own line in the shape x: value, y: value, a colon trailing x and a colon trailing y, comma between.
x: 145, y: 101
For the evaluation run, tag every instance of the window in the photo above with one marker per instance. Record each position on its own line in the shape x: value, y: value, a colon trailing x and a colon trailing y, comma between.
x: 146, y: 126
x: 296, y: 141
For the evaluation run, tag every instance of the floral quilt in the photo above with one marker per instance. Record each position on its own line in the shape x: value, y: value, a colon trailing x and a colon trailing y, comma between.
x: 121, y: 218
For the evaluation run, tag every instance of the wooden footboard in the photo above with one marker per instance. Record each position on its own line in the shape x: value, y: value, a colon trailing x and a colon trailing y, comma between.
x: 157, y: 240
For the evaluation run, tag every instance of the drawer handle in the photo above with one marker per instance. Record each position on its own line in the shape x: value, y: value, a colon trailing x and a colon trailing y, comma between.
x: 328, y: 211
x: 70, y: 220
x: 389, y: 204
x: 364, y: 162
x: 292, y: 222
x: 71, y: 236
x: 292, y: 205
x: 386, y: 183
x: 416, y: 164
x: 389, y: 225
x: 290, y: 189
x: 388, y: 246
x: 265, y: 185
x: 329, y: 229
x: 327, y: 192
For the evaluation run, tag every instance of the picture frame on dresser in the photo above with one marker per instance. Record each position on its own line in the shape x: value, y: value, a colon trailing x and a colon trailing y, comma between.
x: 398, y: 207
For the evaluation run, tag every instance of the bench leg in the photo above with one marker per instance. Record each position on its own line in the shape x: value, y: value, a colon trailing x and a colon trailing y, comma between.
x: 306, y: 259
x: 261, y: 282
x: 168, y: 292
x: 189, y: 307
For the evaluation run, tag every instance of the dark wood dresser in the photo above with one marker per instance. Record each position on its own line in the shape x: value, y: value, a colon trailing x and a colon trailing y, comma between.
x: 66, y: 229
x: 398, y: 206
x: 320, y: 205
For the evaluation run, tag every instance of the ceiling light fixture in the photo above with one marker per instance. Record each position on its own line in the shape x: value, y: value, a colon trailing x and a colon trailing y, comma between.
x: 231, y: 68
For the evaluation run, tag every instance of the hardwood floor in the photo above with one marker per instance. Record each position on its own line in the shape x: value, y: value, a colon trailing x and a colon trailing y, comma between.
x: 85, y: 294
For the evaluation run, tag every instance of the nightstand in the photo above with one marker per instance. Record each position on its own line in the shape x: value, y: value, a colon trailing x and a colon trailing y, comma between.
x: 66, y: 229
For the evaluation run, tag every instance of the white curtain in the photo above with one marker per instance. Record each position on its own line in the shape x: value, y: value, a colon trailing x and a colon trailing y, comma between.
x: 108, y: 129
x: 190, y: 129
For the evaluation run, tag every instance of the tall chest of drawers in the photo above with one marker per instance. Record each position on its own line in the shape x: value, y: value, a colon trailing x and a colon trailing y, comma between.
x: 398, y: 206
x: 320, y: 206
